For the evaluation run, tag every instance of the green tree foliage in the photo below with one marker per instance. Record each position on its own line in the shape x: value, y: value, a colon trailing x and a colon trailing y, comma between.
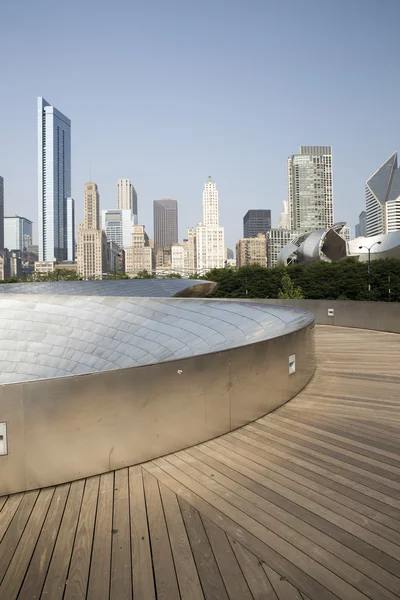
x: 144, y: 275
x: 173, y: 276
x: 345, y: 280
x: 288, y: 289
x: 117, y: 275
x: 57, y: 275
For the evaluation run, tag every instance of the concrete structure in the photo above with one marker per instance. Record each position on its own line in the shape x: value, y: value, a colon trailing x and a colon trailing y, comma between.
x: 361, y: 226
x: 92, y: 241
x: 284, y: 220
x: 17, y: 232
x: 165, y: 215
x: 2, y: 244
x: 310, y: 190
x: 255, y: 222
x: 382, y: 192
x: 71, y: 238
x: 139, y: 256
x: 110, y: 387
x: 127, y: 198
x: 45, y: 266
x: 54, y: 181
x: 252, y: 251
x: 276, y: 240
x: 210, y: 244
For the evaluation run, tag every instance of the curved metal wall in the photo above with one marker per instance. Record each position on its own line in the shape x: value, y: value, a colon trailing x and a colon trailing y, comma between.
x: 379, y: 316
x: 67, y: 428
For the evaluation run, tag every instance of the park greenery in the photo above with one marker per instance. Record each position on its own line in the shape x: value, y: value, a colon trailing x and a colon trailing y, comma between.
x: 344, y: 280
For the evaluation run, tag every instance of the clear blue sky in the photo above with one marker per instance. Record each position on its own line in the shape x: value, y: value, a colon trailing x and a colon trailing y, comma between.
x: 169, y: 92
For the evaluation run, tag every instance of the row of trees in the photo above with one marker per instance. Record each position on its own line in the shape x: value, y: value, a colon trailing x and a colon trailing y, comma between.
x: 345, y: 280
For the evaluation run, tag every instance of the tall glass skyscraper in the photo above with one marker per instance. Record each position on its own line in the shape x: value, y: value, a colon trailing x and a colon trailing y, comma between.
x: 165, y: 214
x: 382, y: 192
x: 54, y: 181
x: 310, y: 191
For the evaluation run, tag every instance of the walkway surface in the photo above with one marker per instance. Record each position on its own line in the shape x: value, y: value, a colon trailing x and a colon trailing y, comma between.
x: 301, y: 504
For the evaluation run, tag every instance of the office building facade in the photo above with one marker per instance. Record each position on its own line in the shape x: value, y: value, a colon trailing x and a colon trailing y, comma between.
x: 361, y: 226
x: 118, y: 225
x: 54, y: 181
x: 71, y: 239
x: 127, y: 197
x: 92, y: 241
x: 140, y: 255
x: 382, y: 192
x: 255, y: 222
x: 210, y: 243
x: 165, y: 215
x: 2, y: 244
x: 17, y: 233
x: 310, y: 188
x: 252, y: 251
x: 276, y: 240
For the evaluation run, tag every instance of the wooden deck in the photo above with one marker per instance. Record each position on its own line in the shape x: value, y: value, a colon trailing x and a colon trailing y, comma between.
x: 303, y: 504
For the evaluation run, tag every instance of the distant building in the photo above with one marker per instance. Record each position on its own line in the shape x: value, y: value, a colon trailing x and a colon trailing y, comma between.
x: 113, y: 257
x: 139, y: 256
x: 118, y: 225
x: 284, y: 217
x: 54, y: 181
x: 45, y: 266
x: 255, y: 222
x: 229, y: 254
x: 252, y: 251
x: 15, y: 265
x: 310, y: 190
x: 345, y: 233
x: 92, y: 241
x: 17, y: 232
x: 71, y: 240
x: 127, y: 197
x: 276, y: 240
x: 361, y: 226
x: 2, y: 244
x: 210, y: 244
x: 163, y: 259
x: 383, y: 198
x: 165, y: 214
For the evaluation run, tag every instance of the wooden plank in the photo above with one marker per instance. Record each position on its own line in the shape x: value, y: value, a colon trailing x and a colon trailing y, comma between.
x: 80, y: 560
x: 142, y: 568
x: 163, y: 563
x: 100, y: 566
x: 315, y: 529
x: 280, y: 556
x: 211, y: 580
x: 36, y: 573
x: 283, y: 589
x: 15, y: 574
x: 252, y: 568
x: 11, y: 538
x: 56, y: 577
x: 188, y: 579
x: 235, y: 583
x: 121, y: 563
x: 3, y: 500
x: 8, y: 511
x: 336, y: 557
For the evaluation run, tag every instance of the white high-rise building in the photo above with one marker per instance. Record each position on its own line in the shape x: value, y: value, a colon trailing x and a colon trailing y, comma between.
x: 209, y: 235
x: 310, y: 191
x: 71, y: 241
x: 17, y: 232
x: 54, y: 181
x: 383, y: 198
x: 118, y: 225
x: 127, y: 197
x: 284, y: 217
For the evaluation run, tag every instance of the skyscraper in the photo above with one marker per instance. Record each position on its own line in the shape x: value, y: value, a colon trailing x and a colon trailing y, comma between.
x: 165, y: 214
x: 361, y: 226
x: 118, y: 225
x: 71, y: 229
x: 255, y: 222
x: 284, y: 217
x: 54, y: 180
x: 1, y: 213
x: 92, y: 241
x: 382, y: 192
x: 310, y: 193
x: 210, y: 245
x: 17, y: 233
x: 127, y: 197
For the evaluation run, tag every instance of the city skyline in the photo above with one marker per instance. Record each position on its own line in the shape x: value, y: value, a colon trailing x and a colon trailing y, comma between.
x: 167, y: 129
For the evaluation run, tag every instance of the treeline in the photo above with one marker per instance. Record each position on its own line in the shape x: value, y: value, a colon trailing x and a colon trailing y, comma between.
x: 345, y: 280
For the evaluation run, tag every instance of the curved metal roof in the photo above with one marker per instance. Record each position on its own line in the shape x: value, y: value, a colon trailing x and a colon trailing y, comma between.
x: 162, y: 288
x: 43, y: 336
